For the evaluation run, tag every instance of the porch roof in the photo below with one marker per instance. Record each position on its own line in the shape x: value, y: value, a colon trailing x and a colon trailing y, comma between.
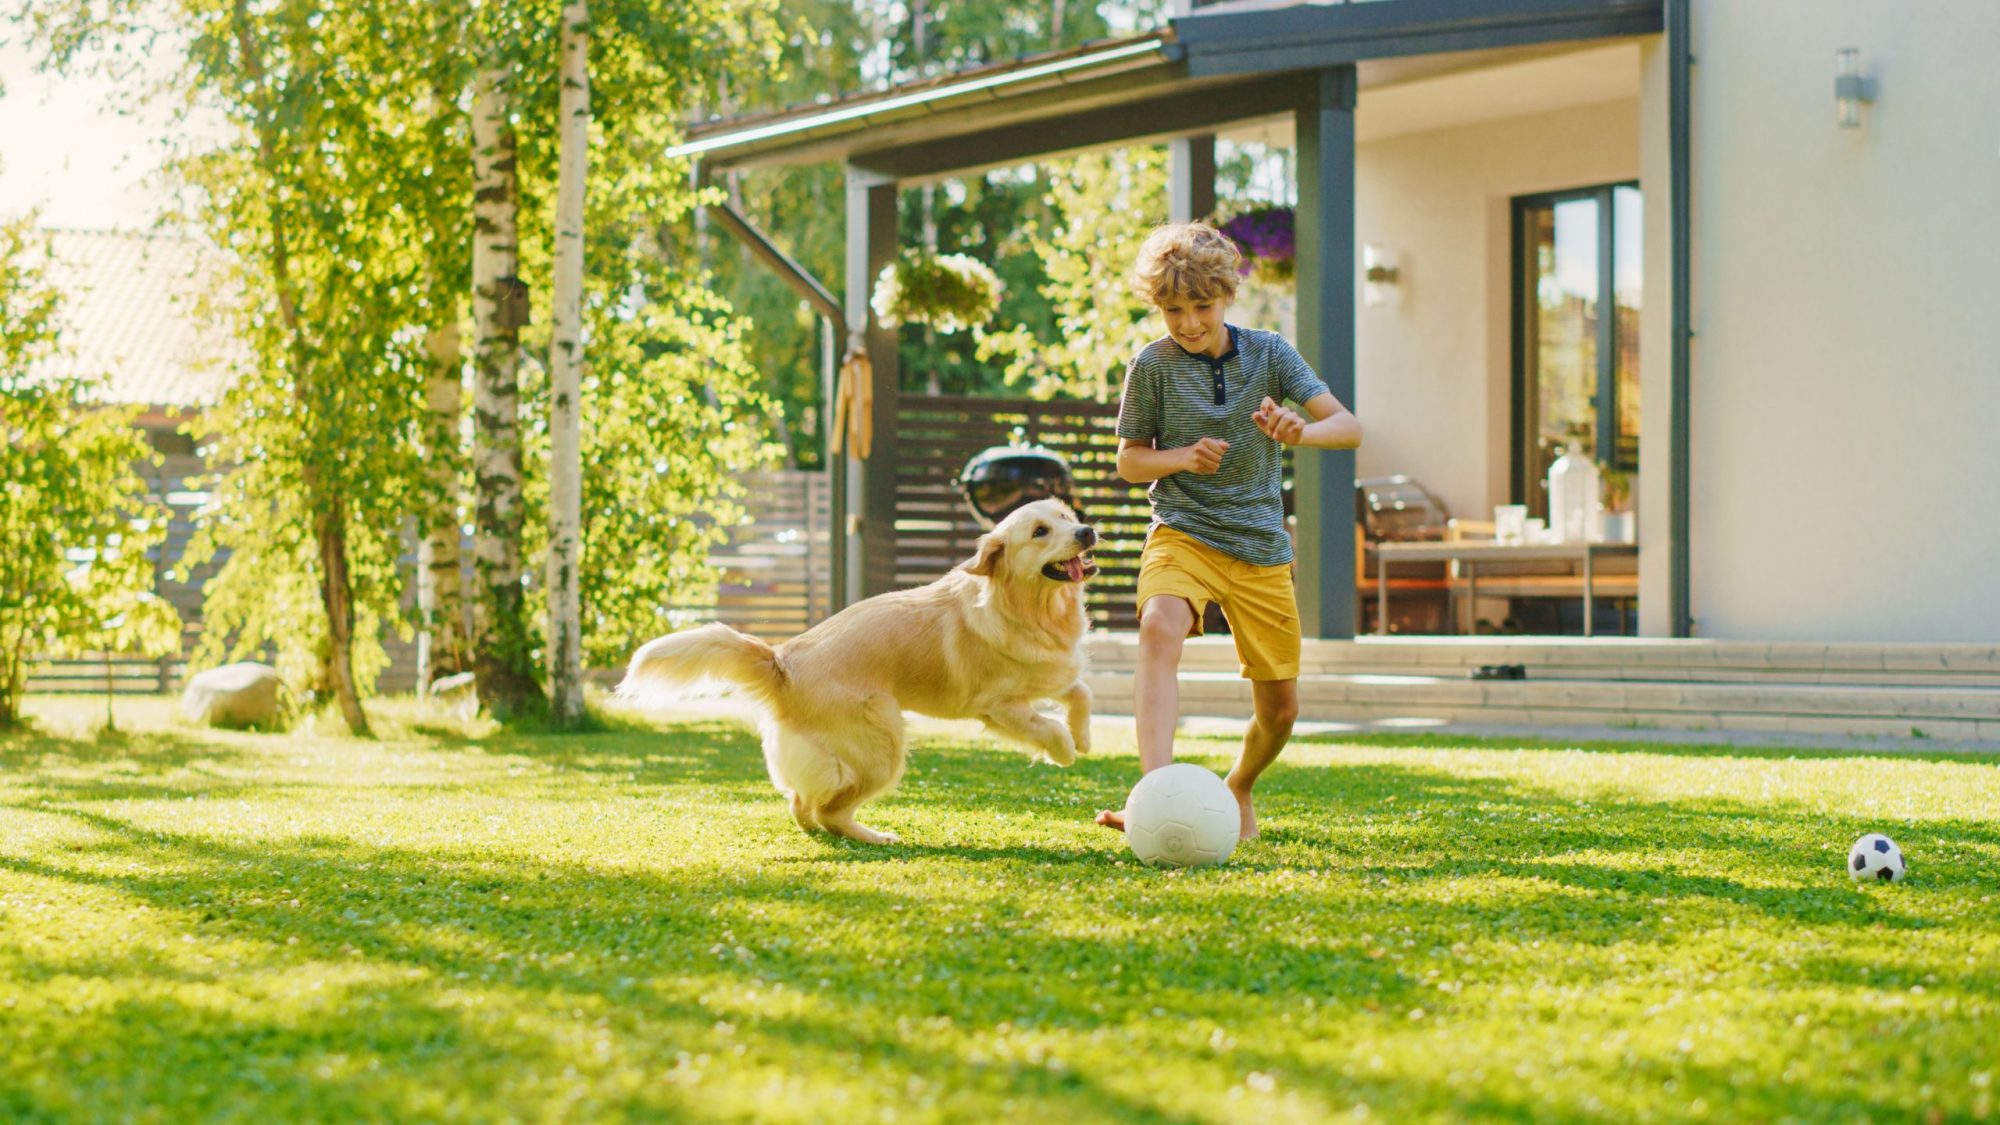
x: 1225, y: 63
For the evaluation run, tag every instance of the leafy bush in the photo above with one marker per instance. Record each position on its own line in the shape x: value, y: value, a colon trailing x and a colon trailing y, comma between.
x: 76, y: 520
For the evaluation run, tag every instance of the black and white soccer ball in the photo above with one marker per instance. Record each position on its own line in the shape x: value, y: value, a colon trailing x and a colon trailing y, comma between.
x: 1876, y: 856
x: 1182, y: 816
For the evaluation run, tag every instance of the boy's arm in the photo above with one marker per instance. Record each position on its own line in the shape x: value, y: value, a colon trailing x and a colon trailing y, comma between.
x: 1140, y: 463
x: 1333, y: 425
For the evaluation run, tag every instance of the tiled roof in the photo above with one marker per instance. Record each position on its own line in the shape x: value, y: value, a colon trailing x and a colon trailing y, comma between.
x: 131, y: 316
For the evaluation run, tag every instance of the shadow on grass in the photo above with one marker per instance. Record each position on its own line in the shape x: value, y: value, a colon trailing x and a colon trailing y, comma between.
x: 644, y: 954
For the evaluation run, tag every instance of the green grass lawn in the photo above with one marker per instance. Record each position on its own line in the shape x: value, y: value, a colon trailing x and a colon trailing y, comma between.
x: 455, y: 923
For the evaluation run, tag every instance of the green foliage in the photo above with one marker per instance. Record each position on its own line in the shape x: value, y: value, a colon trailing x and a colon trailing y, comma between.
x: 673, y: 414
x: 628, y: 926
x: 672, y: 421
x: 673, y: 408
x: 321, y: 200
x: 834, y: 47
x: 344, y: 200
x: 76, y: 519
x: 948, y: 292
x: 1104, y: 205
x: 981, y: 217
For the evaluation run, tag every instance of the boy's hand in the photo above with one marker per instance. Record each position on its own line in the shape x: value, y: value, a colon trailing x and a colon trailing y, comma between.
x: 1204, y: 456
x: 1282, y: 424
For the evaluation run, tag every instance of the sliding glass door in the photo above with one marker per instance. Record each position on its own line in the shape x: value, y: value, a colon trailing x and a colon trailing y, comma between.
x: 1577, y: 281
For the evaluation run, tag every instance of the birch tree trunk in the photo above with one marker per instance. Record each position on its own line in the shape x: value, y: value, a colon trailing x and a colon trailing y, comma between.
x: 441, y: 646
x: 503, y: 655
x: 566, y: 372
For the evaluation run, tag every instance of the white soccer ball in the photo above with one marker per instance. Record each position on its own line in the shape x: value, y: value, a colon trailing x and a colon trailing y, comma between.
x: 1181, y: 816
x: 1875, y: 856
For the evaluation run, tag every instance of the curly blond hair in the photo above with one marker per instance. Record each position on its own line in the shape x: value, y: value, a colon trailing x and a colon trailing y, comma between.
x: 1192, y: 261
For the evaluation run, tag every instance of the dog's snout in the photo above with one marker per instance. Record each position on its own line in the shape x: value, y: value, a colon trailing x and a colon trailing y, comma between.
x: 1087, y: 536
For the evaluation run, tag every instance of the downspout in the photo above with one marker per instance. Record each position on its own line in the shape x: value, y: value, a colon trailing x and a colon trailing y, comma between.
x: 1680, y: 65
x: 833, y: 321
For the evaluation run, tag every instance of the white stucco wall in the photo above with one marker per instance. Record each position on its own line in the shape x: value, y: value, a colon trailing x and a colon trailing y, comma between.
x: 1846, y: 364
x: 1432, y: 381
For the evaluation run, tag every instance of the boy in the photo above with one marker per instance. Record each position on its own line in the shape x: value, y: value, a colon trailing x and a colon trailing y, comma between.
x: 1203, y: 420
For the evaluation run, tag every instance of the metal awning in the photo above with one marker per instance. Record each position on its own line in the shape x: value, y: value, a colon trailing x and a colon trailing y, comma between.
x: 1222, y: 64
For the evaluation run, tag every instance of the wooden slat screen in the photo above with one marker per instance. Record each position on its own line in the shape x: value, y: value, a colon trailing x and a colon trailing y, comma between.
x: 937, y: 434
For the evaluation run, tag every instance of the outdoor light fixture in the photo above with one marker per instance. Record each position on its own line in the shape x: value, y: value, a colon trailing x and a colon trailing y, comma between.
x: 1378, y: 275
x: 1850, y: 89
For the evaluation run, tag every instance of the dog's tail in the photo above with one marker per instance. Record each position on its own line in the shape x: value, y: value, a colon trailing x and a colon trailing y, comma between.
x: 702, y: 659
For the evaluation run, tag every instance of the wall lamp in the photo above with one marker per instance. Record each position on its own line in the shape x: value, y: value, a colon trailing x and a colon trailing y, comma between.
x: 1850, y: 89
x: 1378, y: 275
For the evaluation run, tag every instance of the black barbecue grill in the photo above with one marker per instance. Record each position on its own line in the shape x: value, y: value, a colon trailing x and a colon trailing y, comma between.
x: 1005, y: 477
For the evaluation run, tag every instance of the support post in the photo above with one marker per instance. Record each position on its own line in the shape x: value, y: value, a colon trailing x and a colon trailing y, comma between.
x: 1323, y: 480
x: 1680, y: 48
x: 833, y: 334
x: 865, y: 490
x: 1191, y: 178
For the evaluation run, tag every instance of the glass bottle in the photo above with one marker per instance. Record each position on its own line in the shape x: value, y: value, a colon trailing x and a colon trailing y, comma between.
x: 1574, y: 488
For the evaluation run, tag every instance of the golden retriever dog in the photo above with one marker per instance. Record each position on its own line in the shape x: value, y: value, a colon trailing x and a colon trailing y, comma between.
x: 999, y: 633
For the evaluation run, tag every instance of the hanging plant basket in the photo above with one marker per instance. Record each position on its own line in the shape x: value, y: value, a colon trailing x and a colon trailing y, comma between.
x: 1265, y: 238
x: 949, y: 292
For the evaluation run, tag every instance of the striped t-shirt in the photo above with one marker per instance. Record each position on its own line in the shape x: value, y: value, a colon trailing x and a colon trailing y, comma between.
x: 1176, y: 397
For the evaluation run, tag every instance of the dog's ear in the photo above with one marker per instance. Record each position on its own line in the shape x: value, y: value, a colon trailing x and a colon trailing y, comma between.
x: 986, y: 556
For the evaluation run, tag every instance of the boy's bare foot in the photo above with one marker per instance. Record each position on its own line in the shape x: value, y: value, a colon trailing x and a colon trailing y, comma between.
x: 1112, y: 818
x: 1248, y: 829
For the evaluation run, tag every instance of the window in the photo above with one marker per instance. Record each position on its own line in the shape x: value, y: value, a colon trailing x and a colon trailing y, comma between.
x: 1576, y: 362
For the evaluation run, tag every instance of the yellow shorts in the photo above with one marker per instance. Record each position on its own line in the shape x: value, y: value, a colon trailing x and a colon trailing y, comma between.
x: 1261, y: 602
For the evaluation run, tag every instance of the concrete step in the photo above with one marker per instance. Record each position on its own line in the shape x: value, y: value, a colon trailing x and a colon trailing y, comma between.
x: 1625, y: 659
x: 1958, y: 713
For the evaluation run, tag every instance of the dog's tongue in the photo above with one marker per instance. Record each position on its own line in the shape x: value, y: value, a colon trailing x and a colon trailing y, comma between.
x: 1075, y: 568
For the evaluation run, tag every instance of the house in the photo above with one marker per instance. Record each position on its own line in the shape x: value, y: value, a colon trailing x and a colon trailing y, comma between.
x: 1743, y: 250
x: 132, y: 318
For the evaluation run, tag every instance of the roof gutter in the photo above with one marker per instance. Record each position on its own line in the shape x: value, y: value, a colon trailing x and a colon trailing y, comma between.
x: 996, y: 83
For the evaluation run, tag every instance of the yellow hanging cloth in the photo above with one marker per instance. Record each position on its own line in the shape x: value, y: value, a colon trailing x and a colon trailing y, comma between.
x: 854, y: 401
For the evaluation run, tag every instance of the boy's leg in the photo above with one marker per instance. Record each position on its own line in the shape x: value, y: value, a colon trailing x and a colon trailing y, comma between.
x: 1263, y: 611
x: 1156, y: 682
x: 1164, y: 622
x: 1277, y: 708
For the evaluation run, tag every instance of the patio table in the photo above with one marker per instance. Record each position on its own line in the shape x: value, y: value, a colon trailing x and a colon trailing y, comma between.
x: 1475, y: 551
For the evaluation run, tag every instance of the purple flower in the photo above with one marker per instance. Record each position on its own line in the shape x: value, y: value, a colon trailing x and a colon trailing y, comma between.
x: 1264, y: 234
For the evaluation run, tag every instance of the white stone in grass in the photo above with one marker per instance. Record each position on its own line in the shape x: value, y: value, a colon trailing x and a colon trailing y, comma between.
x: 458, y: 694
x: 1876, y: 856
x: 447, y: 687
x: 244, y: 694
x: 1182, y: 816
